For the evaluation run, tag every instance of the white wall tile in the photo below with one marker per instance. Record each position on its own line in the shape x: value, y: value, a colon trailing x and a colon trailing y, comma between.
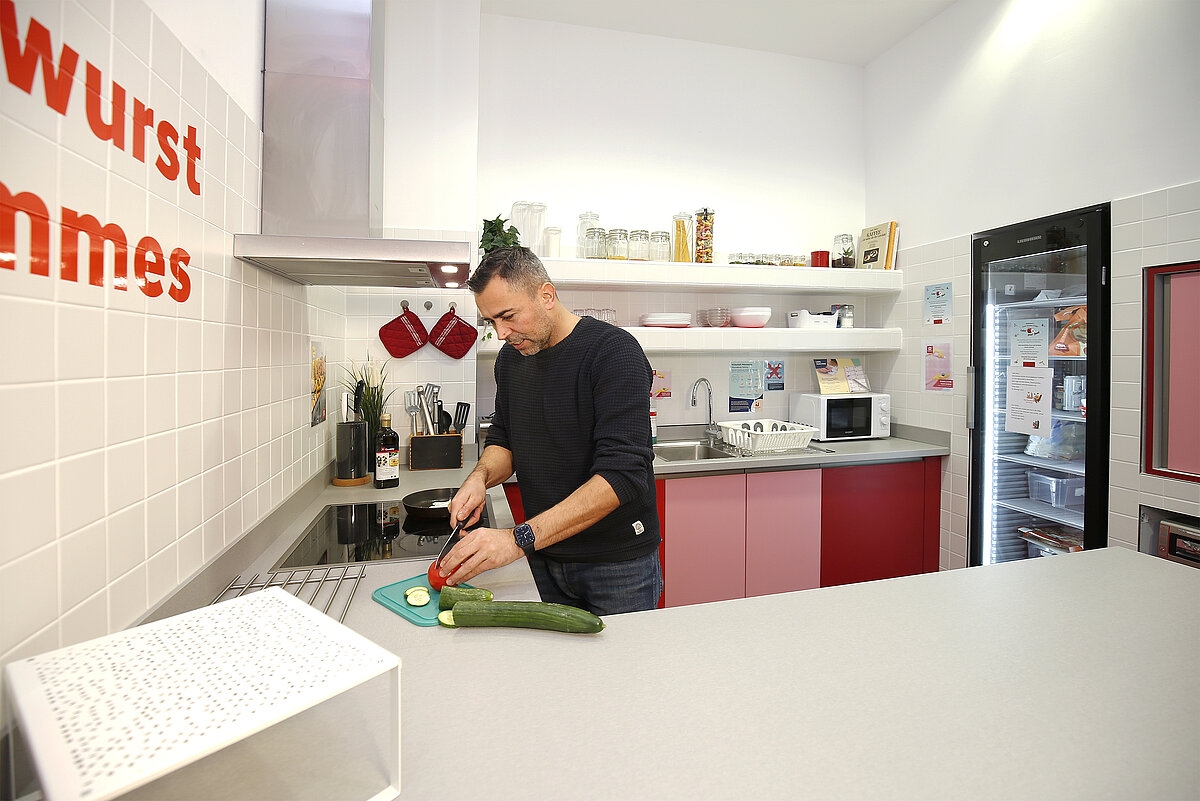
x: 27, y: 498
x: 26, y: 425
x: 127, y: 599
x: 30, y: 323
x: 28, y: 595
x: 125, y: 474
x: 83, y: 563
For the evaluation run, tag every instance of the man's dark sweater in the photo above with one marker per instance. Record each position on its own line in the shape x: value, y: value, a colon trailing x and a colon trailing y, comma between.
x: 578, y: 409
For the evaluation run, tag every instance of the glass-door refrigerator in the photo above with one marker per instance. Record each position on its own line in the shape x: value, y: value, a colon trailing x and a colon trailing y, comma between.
x: 1039, y: 362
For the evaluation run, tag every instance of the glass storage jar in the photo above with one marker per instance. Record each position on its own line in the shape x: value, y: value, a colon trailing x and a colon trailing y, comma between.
x: 589, y: 219
x: 704, y: 236
x: 639, y: 245
x: 660, y: 246
x: 618, y: 243
x: 595, y: 244
x: 551, y: 237
x: 681, y: 237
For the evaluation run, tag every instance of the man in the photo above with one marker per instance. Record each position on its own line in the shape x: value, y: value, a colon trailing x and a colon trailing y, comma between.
x: 572, y: 421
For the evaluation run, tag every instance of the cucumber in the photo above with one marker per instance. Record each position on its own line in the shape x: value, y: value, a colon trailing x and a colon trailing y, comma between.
x: 526, y: 615
x: 416, y: 598
x: 452, y: 595
x: 446, y: 618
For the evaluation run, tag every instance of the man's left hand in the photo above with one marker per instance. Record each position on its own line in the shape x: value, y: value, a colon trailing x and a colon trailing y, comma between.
x: 479, y: 550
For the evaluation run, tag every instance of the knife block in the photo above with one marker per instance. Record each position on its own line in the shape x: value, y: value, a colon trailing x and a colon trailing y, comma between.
x: 434, y: 451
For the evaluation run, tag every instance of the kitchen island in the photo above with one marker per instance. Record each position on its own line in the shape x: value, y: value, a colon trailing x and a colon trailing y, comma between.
x: 1048, y: 678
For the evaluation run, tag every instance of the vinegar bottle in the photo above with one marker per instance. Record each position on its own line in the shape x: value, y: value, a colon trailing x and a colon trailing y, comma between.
x: 387, y: 454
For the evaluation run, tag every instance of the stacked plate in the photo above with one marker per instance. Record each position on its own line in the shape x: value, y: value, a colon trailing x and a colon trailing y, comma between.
x: 667, y: 320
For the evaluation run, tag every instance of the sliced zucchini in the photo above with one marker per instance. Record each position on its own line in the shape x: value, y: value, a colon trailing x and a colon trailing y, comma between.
x: 526, y: 615
x: 452, y: 595
x: 446, y: 618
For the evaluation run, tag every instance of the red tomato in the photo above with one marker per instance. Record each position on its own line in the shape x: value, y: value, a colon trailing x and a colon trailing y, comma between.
x: 435, y: 578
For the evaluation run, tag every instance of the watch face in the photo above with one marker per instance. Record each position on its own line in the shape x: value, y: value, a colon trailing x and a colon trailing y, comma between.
x: 523, y: 534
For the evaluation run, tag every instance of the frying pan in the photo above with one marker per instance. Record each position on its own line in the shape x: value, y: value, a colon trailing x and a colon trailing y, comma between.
x: 429, y: 504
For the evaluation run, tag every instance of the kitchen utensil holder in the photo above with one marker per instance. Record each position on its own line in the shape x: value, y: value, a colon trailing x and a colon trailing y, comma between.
x: 435, y: 451
x: 785, y: 436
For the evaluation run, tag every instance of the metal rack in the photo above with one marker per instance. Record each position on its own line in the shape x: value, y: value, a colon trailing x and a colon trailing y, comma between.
x: 326, y: 587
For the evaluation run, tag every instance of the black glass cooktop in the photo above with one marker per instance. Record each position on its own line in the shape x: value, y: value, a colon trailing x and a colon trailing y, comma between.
x: 368, y: 532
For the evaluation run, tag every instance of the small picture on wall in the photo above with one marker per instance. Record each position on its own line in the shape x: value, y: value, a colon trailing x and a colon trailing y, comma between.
x: 318, y: 382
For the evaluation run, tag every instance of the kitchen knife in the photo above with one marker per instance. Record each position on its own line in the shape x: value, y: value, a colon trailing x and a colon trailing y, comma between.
x: 454, y: 537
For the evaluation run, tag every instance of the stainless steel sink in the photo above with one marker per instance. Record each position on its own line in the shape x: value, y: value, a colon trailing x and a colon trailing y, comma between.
x: 689, y: 450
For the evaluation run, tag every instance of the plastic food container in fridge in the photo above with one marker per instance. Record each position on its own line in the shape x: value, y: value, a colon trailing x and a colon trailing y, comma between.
x: 1060, y: 491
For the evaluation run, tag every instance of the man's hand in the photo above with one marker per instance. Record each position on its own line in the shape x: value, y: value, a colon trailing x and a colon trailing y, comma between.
x: 479, y: 550
x: 467, y: 504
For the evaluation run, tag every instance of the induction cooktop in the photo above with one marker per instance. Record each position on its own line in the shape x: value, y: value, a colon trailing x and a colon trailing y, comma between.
x: 368, y: 532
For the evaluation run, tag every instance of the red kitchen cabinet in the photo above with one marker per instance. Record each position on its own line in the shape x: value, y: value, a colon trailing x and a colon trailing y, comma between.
x: 705, y: 547
x: 879, y: 521
x: 783, y: 531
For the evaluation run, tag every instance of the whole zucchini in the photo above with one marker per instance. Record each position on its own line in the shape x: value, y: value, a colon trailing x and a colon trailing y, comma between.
x: 452, y: 595
x: 526, y: 615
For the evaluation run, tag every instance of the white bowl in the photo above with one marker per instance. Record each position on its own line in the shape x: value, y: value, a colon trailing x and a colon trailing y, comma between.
x: 751, y: 316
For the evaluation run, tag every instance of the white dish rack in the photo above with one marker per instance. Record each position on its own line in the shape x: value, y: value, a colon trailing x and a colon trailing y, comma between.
x: 766, y: 436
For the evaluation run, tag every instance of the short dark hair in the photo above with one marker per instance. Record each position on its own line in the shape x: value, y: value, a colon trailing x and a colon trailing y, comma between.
x: 516, y: 265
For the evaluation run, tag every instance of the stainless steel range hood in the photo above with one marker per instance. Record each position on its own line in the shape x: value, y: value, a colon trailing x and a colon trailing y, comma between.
x: 358, y: 261
x: 322, y: 175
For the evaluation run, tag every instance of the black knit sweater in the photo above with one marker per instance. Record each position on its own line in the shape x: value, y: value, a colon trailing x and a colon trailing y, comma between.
x: 578, y: 409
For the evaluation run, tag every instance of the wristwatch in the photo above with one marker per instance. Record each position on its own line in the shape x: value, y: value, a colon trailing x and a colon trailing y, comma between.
x: 523, y: 534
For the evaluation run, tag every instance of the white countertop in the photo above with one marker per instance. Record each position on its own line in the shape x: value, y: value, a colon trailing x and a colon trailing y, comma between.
x: 1062, y: 677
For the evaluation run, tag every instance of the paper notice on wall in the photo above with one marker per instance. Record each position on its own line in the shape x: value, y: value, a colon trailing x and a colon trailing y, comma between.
x: 745, y: 386
x: 1029, y: 400
x: 660, y: 384
x: 938, y: 304
x: 1029, y: 341
x: 318, y: 382
x: 939, y: 374
x: 774, y: 375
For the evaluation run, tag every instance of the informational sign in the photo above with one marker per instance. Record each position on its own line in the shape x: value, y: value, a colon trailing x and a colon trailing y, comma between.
x: 660, y: 384
x: 746, y: 383
x: 939, y: 373
x: 938, y: 304
x: 839, y: 376
x: 774, y: 375
x: 1029, y: 341
x: 1029, y: 400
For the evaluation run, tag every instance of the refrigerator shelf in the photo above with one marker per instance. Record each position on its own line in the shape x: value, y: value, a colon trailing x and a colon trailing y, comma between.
x: 1068, y: 517
x: 1076, y: 300
x: 1062, y: 465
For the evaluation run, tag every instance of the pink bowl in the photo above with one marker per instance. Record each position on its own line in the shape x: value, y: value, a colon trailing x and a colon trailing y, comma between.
x: 751, y: 316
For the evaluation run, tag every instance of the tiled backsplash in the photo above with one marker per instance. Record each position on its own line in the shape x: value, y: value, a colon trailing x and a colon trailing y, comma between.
x: 143, y: 435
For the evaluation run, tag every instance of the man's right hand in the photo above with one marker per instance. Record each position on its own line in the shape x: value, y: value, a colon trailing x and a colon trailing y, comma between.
x: 467, y: 504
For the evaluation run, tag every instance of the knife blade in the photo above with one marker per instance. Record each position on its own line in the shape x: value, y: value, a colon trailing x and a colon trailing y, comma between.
x: 454, y: 537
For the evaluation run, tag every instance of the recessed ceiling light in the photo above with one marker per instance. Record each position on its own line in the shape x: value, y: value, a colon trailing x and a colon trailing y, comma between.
x: 451, y: 285
x: 449, y: 268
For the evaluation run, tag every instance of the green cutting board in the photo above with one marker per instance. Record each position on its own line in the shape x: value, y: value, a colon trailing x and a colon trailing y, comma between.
x: 392, y: 596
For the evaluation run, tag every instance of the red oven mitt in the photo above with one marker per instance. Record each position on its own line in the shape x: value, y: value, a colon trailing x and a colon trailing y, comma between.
x: 404, y: 334
x: 453, y: 335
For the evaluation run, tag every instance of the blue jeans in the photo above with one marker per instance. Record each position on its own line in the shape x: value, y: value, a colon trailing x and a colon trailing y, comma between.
x: 602, y: 588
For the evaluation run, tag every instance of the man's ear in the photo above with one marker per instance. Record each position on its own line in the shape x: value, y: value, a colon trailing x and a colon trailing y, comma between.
x: 547, y: 295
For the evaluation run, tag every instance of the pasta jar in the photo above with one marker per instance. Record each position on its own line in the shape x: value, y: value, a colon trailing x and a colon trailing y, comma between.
x: 595, y: 244
x: 660, y: 246
x: 681, y: 237
x: 589, y: 219
x: 704, y: 235
x: 639, y: 245
x: 618, y: 243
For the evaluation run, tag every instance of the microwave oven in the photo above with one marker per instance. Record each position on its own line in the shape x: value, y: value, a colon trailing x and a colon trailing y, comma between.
x: 854, y: 415
x: 1179, y: 542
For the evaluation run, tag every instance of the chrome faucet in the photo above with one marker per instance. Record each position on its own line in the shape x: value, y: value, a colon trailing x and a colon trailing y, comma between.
x: 711, y: 431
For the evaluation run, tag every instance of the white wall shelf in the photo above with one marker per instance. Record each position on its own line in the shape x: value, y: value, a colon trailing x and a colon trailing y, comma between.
x: 658, y: 276
x: 700, y: 340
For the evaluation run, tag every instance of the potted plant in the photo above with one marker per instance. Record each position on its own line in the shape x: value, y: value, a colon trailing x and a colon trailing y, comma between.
x: 496, y: 236
x: 374, y: 400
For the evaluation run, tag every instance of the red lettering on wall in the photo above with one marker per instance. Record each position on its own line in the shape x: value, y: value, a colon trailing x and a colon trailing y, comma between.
x: 143, y: 118
x: 183, y: 290
x: 74, y: 224
x: 114, y: 129
x: 148, y: 259
x: 22, y: 64
x: 193, y: 158
x: 168, y: 162
x: 34, y: 210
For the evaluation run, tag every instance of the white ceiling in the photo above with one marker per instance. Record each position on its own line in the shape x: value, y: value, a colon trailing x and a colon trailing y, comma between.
x: 845, y: 31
